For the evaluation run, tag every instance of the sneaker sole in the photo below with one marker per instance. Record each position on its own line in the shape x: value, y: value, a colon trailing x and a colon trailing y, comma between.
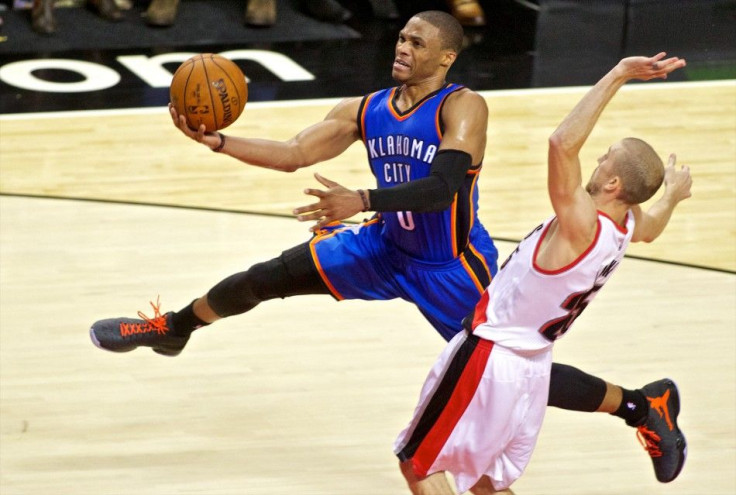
x: 680, y: 436
x: 97, y: 343
x: 158, y: 350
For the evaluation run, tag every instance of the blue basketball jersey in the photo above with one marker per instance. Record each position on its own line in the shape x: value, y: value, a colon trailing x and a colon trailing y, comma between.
x: 439, y: 261
x: 401, y: 147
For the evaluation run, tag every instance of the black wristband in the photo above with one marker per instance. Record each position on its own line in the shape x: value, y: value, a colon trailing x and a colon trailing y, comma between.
x: 219, y: 147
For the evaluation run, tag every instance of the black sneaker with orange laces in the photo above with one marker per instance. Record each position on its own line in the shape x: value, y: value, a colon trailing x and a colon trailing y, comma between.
x: 658, y: 432
x: 125, y: 334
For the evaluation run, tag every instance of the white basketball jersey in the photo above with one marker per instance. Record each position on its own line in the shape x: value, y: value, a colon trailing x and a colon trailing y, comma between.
x: 526, y: 308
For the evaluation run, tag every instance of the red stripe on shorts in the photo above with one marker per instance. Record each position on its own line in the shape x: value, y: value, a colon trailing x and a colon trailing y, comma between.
x: 432, y: 444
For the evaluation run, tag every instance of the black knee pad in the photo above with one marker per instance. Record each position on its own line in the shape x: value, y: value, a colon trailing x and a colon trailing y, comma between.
x: 292, y: 273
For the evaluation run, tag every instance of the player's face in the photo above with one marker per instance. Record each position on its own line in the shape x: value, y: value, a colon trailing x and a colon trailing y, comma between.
x: 418, y: 52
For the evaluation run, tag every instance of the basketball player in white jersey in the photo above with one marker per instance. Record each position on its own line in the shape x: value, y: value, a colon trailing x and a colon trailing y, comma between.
x: 482, y: 405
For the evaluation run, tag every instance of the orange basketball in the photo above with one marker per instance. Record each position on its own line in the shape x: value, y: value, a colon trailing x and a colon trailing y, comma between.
x: 209, y: 89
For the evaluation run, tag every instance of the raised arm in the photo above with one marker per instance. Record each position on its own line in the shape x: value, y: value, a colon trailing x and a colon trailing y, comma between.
x: 651, y: 223
x: 319, y: 142
x: 575, y: 210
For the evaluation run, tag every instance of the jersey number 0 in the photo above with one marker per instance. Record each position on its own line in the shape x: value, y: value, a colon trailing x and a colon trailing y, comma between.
x: 406, y: 220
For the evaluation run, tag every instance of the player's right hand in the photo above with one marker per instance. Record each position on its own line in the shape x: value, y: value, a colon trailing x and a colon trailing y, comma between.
x: 209, y: 139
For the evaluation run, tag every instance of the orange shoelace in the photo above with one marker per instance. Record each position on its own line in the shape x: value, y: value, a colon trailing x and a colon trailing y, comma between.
x: 156, y: 324
x: 649, y: 440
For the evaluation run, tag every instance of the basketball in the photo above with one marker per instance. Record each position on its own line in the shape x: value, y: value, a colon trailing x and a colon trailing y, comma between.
x: 209, y: 89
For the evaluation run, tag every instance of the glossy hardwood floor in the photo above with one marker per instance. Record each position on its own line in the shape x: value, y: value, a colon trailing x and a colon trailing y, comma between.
x: 306, y: 395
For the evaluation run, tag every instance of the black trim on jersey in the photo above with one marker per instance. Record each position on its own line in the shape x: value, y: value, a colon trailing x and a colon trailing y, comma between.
x: 397, y: 93
x: 478, y: 267
x: 360, y: 115
x: 442, y: 105
x: 440, y: 398
x: 464, y: 213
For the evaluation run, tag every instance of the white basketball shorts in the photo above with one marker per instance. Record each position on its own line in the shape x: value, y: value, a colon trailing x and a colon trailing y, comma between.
x: 479, y: 412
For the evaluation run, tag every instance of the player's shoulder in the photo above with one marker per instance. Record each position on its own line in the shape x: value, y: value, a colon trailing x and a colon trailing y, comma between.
x: 465, y: 93
x: 465, y: 99
x: 350, y: 102
x: 346, y: 108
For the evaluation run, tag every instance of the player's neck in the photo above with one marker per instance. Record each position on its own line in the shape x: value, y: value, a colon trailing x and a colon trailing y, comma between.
x: 410, y: 94
x: 615, y: 209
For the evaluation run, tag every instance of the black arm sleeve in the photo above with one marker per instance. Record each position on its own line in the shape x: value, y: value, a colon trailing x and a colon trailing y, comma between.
x: 431, y: 193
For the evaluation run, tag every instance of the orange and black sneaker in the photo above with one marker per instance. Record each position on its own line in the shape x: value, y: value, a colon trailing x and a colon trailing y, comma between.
x: 125, y: 334
x: 659, y: 433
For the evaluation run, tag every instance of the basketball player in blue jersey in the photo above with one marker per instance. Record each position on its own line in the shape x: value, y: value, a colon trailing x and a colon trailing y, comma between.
x: 425, y: 140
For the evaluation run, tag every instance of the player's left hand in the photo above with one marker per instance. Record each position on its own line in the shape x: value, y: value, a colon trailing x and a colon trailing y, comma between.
x: 678, y: 183
x: 335, y: 203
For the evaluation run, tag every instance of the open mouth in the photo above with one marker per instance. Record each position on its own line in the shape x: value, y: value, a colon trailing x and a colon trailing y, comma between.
x: 399, y: 64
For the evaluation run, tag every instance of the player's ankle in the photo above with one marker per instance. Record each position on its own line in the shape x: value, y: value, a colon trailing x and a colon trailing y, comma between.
x: 185, y: 321
x: 633, y: 408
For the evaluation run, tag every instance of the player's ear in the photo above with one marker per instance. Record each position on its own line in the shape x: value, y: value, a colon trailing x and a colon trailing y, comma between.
x: 448, y: 57
x: 613, y: 185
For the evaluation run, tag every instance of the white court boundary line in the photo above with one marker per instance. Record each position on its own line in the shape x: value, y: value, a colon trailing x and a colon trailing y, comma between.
x: 333, y: 101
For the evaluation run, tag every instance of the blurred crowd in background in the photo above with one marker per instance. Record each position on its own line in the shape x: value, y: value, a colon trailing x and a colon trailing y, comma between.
x: 257, y: 13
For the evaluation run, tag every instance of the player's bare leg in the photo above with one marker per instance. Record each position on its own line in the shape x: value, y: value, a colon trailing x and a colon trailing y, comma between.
x: 612, y: 400
x: 485, y: 487
x: 434, y: 484
x: 204, y: 311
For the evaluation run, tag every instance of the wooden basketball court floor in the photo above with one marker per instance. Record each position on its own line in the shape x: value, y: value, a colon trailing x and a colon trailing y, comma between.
x: 103, y: 211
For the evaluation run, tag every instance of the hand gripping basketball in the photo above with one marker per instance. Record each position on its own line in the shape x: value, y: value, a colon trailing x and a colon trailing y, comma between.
x: 209, y: 90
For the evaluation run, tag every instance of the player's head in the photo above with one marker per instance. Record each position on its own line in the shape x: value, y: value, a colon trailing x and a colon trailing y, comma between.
x: 631, y: 170
x: 427, y: 46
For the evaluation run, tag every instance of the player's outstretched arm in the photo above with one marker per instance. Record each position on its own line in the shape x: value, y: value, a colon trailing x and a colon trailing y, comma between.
x: 677, y: 184
x: 319, y: 142
x: 573, y: 206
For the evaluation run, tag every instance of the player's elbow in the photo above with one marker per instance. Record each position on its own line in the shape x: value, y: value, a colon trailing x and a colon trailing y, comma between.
x: 439, y: 196
x: 439, y: 205
x: 284, y: 166
x: 565, y: 146
x: 558, y: 145
x: 643, y: 237
x: 295, y: 159
x: 290, y: 167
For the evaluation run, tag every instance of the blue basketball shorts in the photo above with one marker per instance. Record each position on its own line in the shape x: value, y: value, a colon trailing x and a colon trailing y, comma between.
x: 356, y: 262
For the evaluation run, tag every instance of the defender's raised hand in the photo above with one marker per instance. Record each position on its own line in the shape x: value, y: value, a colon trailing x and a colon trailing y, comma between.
x: 646, y: 68
x: 677, y: 183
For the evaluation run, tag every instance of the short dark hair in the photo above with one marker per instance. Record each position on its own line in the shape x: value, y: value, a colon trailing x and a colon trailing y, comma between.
x: 641, y: 170
x: 451, y: 32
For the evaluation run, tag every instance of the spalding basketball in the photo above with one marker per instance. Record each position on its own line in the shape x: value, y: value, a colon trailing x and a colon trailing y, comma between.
x: 209, y: 89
